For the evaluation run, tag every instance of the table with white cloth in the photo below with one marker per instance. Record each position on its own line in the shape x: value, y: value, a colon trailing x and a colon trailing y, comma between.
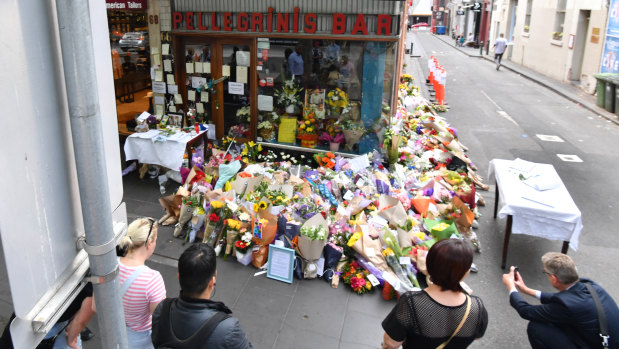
x: 150, y: 148
x: 535, y: 202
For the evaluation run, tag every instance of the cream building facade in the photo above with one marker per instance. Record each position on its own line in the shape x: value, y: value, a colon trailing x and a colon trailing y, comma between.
x: 562, y: 39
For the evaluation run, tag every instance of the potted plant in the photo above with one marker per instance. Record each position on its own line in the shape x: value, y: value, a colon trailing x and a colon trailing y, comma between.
x: 557, y: 35
x: 334, y: 141
x: 526, y: 28
x: 306, y: 131
x: 289, y: 96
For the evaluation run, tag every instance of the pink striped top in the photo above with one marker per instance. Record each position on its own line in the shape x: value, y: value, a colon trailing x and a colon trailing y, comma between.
x: 146, y: 289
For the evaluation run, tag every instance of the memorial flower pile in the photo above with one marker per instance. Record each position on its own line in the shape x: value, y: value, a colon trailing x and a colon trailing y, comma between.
x: 372, y: 218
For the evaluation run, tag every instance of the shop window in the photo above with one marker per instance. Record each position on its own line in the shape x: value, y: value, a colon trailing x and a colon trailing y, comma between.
x: 326, y: 94
x: 559, y: 20
x: 237, y: 117
x: 527, y: 17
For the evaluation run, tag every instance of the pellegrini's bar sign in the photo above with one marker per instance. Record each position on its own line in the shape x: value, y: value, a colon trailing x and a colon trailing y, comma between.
x: 275, y: 22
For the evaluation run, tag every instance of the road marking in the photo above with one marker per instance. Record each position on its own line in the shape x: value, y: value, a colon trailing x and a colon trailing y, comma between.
x: 569, y: 158
x: 550, y: 138
x: 500, y: 110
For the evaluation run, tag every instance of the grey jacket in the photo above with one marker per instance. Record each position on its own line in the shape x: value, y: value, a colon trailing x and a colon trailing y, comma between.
x: 188, y: 314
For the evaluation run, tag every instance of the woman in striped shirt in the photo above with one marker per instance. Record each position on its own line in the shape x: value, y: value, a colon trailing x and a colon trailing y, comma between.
x: 142, y: 288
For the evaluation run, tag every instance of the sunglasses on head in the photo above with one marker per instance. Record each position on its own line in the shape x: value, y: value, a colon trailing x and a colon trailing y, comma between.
x: 150, y: 230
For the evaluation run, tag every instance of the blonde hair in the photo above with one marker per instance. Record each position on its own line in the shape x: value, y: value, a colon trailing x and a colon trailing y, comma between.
x: 561, y: 266
x: 137, y: 234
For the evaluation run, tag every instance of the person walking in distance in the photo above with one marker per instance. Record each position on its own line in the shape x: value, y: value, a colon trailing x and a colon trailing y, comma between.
x: 569, y: 318
x: 499, y: 48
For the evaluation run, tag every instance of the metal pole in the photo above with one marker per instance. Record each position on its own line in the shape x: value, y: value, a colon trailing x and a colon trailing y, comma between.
x: 83, y: 101
x: 481, y: 48
x: 411, y: 53
x: 490, y: 27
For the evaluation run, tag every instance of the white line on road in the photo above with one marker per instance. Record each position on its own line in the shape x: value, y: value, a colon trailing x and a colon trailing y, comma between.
x: 500, y: 110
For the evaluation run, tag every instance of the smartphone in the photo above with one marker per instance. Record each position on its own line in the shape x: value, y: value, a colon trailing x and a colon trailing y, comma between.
x: 516, y: 273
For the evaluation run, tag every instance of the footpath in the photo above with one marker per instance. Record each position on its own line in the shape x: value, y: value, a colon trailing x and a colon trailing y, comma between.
x: 571, y: 92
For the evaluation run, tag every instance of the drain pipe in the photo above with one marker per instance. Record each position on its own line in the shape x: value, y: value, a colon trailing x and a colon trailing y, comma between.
x: 86, y: 130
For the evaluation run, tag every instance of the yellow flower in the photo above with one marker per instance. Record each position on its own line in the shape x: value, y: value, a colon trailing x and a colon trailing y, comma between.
x: 262, y: 205
x: 302, y: 126
x: 227, y: 186
x: 244, y: 151
x: 255, y: 207
x: 368, y: 285
x: 251, y: 144
x: 259, y: 147
x: 217, y: 204
x: 353, y: 239
x: 307, y: 122
x: 246, y: 160
x: 388, y: 252
x: 441, y: 226
x: 310, y: 129
x: 359, y: 276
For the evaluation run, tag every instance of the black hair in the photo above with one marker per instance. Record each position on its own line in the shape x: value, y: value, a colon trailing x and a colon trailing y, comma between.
x: 196, y: 267
x: 447, y: 262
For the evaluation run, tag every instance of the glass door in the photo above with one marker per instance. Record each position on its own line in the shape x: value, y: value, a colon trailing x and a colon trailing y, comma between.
x: 197, y: 58
x: 235, y: 100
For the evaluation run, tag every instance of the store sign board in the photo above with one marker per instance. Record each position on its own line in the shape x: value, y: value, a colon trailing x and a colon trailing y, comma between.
x: 610, y: 57
x: 130, y: 5
x: 477, y: 7
x: 277, y: 22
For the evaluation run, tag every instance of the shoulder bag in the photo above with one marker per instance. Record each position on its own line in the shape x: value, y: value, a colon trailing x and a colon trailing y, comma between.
x: 601, y: 315
x: 466, y: 315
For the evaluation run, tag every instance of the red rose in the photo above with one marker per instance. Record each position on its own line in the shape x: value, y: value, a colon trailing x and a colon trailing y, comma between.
x: 213, y: 217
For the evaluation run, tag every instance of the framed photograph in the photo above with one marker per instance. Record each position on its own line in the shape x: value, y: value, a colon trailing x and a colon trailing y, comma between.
x: 281, y: 263
x: 176, y: 119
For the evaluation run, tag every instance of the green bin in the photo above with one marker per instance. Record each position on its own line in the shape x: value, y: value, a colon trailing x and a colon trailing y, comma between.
x: 599, y: 91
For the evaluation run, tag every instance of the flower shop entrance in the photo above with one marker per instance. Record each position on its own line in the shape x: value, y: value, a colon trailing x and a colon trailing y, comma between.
x: 217, y: 78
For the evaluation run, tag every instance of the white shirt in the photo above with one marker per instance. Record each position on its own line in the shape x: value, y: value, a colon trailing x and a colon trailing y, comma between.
x: 500, y: 45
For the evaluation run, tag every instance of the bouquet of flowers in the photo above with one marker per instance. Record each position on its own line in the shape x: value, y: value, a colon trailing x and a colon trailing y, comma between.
x: 239, y: 131
x: 337, y: 98
x: 357, y: 277
x: 307, y: 126
x: 311, y: 242
x: 289, y: 94
x: 243, y: 247
x: 243, y: 114
x: 213, y: 220
x: 353, y: 131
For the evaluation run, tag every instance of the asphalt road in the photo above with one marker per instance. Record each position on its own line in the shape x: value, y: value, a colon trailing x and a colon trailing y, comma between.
x: 498, y: 115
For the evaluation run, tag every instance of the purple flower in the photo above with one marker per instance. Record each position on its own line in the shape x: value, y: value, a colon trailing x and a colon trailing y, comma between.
x: 428, y: 192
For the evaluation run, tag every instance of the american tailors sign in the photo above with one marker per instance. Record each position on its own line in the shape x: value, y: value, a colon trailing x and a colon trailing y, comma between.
x: 271, y: 21
x: 133, y: 5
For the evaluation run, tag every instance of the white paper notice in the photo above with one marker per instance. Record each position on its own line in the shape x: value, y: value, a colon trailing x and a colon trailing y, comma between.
x: 165, y: 49
x: 157, y: 59
x: 349, y: 195
x: 172, y: 109
x: 189, y: 67
x: 172, y: 89
x: 170, y: 79
x: 280, y: 264
x: 225, y: 70
x: 159, y: 87
x: 191, y: 95
x: 206, y: 67
x: 405, y: 260
x: 359, y: 163
x: 159, y: 110
x: 210, y: 133
x: 200, y: 108
x: 265, y: 103
x: 241, y: 74
x: 199, y: 67
x: 178, y: 99
x: 158, y: 75
x: 197, y: 81
x: 143, y: 116
x: 154, y: 50
x: 159, y: 100
x: 242, y: 58
x: 236, y: 88
x: 167, y: 65
x: 373, y: 280
x: 204, y: 97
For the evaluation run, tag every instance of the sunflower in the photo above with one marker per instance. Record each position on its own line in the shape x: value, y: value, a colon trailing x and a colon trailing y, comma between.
x: 262, y: 205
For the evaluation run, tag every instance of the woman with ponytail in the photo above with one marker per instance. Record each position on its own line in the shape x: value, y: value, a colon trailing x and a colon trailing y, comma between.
x: 142, y: 288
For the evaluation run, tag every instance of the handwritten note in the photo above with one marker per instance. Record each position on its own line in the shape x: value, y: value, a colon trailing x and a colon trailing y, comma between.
x: 265, y: 103
x: 287, y: 130
x: 157, y: 59
x: 159, y: 110
x: 236, y: 88
x: 191, y: 95
x: 159, y: 87
x: 206, y: 67
x: 241, y: 74
x: 158, y: 75
x: 167, y: 65
x: 170, y: 79
x: 173, y: 89
x: 172, y: 109
x: 225, y: 70
x: 199, y: 67
x: 200, y: 108
x: 204, y: 97
x: 165, y: 49
x: 189, y: 67
x: 178, y: 99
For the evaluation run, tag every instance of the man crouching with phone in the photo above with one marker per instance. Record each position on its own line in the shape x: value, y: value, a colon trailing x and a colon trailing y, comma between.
x: 568, y: 318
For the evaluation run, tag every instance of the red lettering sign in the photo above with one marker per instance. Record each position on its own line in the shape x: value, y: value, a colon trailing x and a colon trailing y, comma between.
x: 339, y: 23
x: 201, y: 25
x: 256, y: 22
x: 189, y: 21
x: 282, y: 22
x: 270, y: 20
x: 242, y: 22
x: 177, y: 18
x: 383, y: 26
x: 360, y: 25
x: 295, y: 20
x: 310, y: 23
x: 214, y: 21
x: 228, y: 21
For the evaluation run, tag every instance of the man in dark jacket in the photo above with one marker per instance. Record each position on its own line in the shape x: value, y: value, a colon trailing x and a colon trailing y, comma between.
x: 197, y: 275
x: 568, y: 318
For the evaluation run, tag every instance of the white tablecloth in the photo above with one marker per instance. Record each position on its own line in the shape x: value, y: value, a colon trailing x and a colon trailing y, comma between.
x: 550, y: 214
x: 144, y: 148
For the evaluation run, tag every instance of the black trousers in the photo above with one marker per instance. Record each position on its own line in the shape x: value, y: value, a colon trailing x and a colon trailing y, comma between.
x: 548, y: 336
x: 498, y: 57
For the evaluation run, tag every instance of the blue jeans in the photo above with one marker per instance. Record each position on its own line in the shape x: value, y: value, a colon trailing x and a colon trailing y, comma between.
x: 61, y: 340
x: 139, y: 340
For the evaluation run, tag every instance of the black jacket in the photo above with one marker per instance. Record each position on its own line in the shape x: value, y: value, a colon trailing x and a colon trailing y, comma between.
x: 188, y: 314
x: 574, y: 311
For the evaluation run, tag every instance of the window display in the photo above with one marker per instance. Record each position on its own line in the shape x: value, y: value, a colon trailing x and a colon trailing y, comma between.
x: 199, y: 83
x: 324, y: 92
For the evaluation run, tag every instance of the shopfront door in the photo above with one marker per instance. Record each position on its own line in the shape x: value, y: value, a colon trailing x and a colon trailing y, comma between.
x: 235, y: 99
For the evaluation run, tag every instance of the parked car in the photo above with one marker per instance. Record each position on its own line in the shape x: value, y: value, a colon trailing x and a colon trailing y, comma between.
x: 135, y: 40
